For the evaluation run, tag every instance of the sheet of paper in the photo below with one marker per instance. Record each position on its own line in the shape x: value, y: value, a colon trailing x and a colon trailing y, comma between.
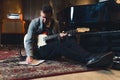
x: 34, y: 62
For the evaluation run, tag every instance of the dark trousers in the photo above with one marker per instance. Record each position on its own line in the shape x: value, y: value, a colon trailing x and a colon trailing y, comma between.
x: 67, y: 48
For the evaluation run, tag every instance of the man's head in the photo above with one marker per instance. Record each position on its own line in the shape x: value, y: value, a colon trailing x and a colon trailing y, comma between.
x: 46, y: 13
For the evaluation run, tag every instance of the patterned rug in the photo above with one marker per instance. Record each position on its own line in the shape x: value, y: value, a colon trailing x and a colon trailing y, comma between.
x: 11, y: 70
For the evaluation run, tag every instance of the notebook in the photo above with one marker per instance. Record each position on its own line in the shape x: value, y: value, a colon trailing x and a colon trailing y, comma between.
x: 34, y: 62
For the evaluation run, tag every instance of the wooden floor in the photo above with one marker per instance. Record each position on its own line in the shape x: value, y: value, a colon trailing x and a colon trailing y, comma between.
x: 93, y: 75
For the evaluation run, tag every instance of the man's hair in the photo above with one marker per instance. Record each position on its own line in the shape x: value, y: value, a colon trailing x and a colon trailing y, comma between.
x: 46, y: 9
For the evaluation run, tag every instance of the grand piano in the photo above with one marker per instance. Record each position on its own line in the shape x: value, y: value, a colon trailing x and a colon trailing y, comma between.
x: 102, y: 18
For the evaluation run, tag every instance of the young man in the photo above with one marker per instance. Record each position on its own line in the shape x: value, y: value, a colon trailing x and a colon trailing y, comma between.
x: 60, y: 45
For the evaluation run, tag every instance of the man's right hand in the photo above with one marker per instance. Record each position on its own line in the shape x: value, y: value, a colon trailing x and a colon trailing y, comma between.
x: 29, y: 59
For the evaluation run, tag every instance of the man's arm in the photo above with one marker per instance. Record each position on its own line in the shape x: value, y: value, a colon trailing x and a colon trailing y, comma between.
x: 28, y: 40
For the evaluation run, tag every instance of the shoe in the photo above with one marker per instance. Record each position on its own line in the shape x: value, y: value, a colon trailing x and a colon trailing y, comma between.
x: 101, y: 60
x: 116, y: 63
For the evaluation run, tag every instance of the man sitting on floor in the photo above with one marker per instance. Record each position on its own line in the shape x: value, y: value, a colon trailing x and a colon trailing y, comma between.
x: 39, y: 45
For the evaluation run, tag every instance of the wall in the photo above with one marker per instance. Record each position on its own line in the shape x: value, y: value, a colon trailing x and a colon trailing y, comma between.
x: 31, y: 8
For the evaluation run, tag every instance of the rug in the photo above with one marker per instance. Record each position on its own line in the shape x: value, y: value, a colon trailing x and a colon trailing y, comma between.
x: 11, y: 70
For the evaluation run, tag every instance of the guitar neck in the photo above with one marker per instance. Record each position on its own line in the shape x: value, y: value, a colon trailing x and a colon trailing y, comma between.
x: 51, y: 36
x: 56, y: 35
x: 71, y: 31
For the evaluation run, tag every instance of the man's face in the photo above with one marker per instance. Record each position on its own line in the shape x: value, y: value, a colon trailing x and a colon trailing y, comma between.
x: 45, y: 17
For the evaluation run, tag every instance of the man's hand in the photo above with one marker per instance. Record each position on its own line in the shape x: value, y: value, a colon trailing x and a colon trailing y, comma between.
x: 29, y: 59
x: 63, y: 34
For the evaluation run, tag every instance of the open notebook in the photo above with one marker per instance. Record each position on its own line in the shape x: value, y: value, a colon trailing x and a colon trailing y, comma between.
x: 34, y: 62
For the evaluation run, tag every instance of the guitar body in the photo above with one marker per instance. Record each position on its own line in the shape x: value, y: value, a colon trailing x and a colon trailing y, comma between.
x: 41, y: 40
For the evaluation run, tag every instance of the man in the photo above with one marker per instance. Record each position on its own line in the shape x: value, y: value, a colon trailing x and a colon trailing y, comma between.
x: 60, y: 45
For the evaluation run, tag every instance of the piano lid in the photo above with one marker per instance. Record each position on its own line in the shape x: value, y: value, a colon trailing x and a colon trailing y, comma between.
x: 85, y: 13
x: 92, y: 13
x: 59, y: 5
x: 101, y: 16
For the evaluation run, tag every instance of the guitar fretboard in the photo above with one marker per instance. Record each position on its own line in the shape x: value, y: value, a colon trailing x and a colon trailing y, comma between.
x: 56, y: 35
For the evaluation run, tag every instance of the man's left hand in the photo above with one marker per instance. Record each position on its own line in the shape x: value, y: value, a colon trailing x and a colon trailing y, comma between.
x: 63, y: 34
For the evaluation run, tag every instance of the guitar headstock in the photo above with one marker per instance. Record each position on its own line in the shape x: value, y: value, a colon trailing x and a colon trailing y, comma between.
x: 83, y: 29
